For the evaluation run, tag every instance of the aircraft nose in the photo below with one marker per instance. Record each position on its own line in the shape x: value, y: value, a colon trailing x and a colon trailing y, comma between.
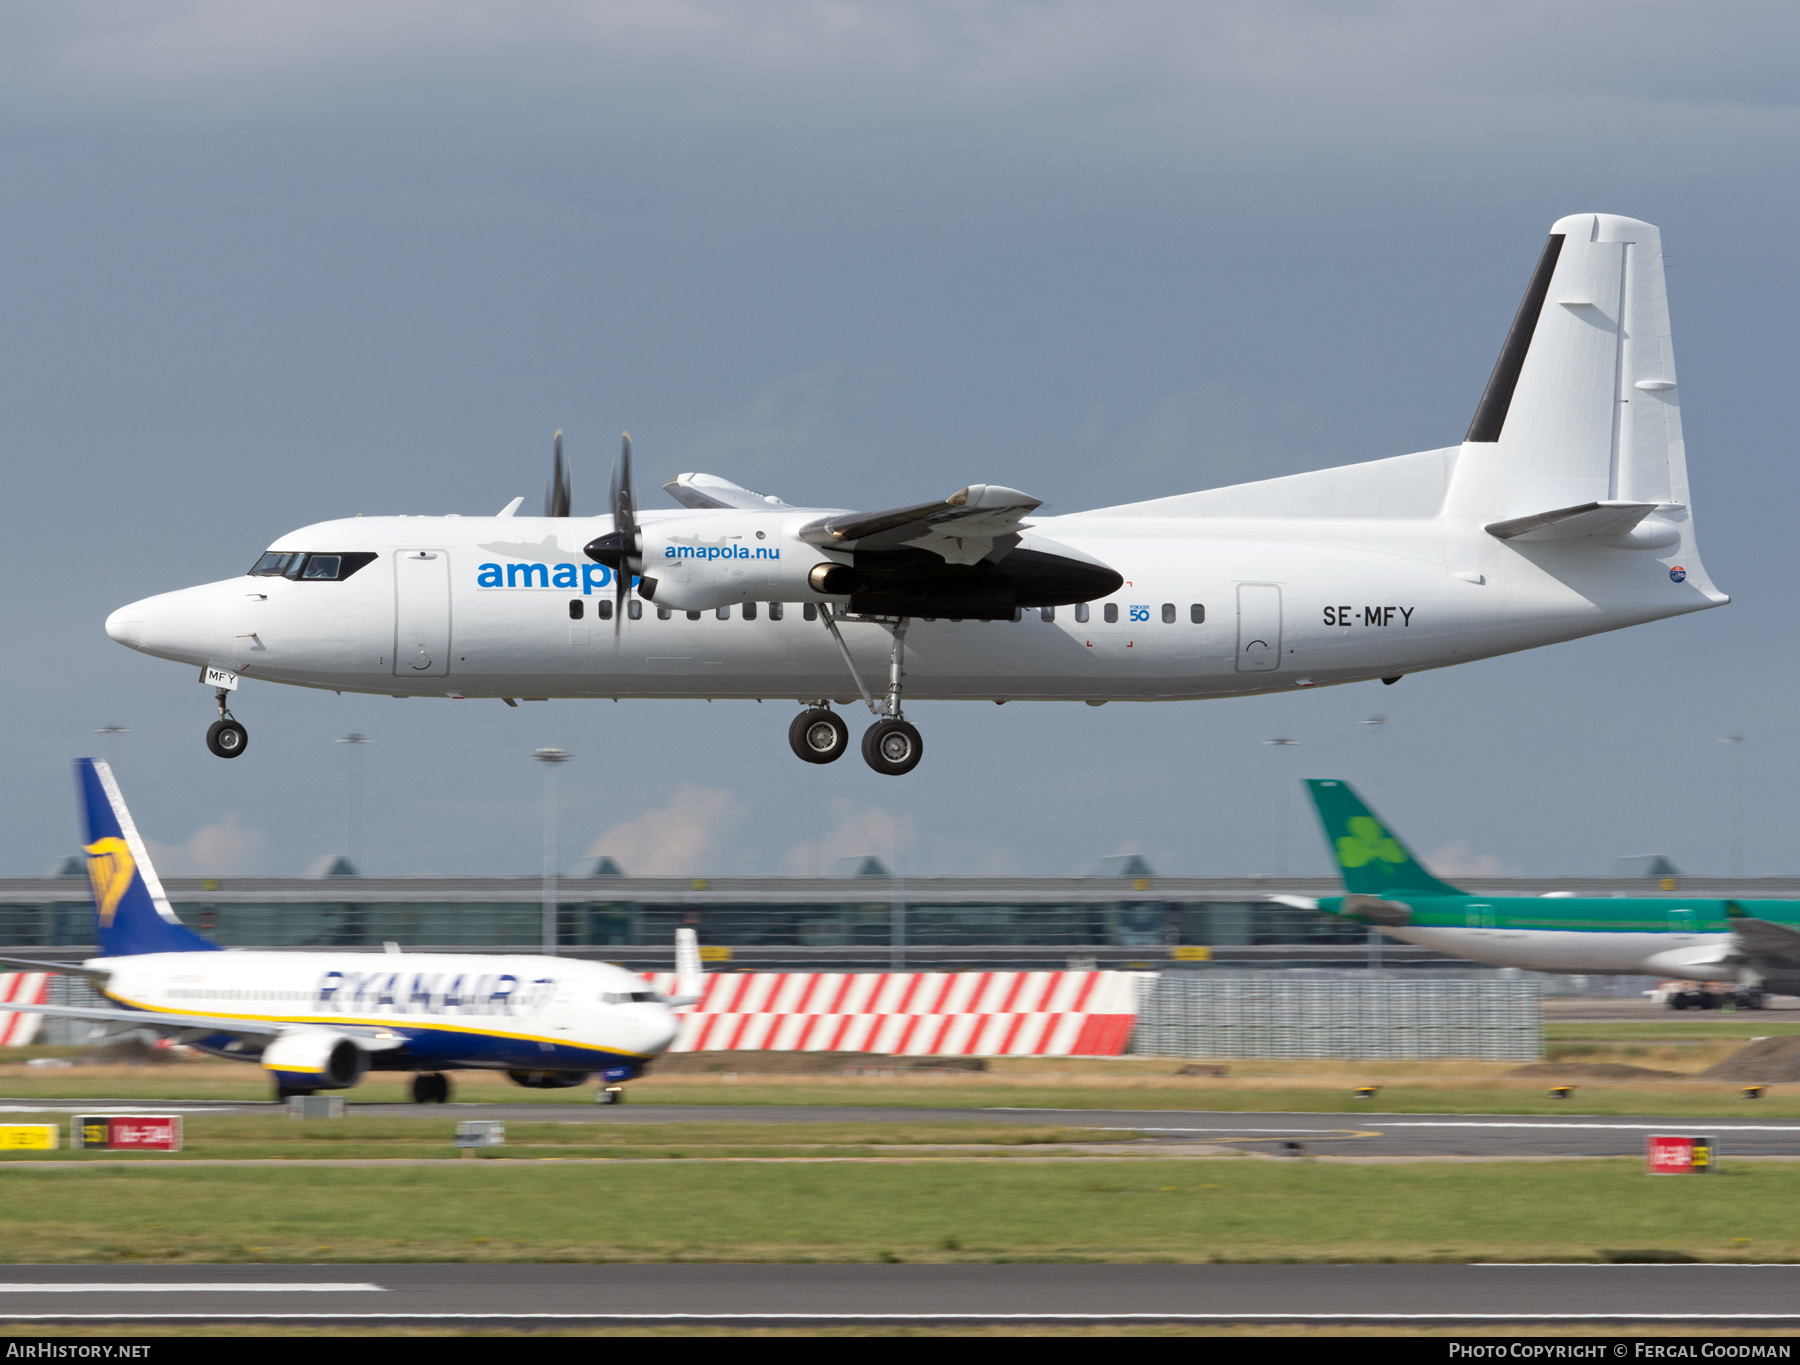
x: 127, y: 624
x: 663, y: 1027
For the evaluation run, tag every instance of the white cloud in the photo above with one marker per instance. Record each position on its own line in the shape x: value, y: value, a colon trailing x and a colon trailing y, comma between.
x: 224, y: 849
x: 898, y: 841
x: 674, y: 839
x: 1459, y: 860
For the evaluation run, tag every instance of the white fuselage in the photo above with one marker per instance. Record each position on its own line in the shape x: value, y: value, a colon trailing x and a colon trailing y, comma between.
x: 1287, y: 603
x: 450, y: 1010
x: 1692, y: 957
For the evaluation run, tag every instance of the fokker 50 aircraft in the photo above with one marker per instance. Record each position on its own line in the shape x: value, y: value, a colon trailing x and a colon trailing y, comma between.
x: 1563, y: 513
x: 319, y: 1021
x: 1753, y: 943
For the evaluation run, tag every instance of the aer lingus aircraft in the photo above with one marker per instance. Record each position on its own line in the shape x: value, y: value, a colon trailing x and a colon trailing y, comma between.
x: 1564, y: 512
x: 320, y: 1021
x: 1755, y: 943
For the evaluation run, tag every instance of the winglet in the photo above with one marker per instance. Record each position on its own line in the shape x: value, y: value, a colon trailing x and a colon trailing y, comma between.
x: 690, y: 983
x: 132, y: 914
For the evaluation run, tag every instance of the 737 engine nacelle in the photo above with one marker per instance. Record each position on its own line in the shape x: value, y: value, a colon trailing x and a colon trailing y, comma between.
x: 316, y: 1059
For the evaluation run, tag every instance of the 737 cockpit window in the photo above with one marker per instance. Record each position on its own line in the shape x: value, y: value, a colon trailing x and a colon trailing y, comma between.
x: 322, y: 568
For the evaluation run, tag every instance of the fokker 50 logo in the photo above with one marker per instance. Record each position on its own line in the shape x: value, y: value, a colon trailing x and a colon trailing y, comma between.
x: 1366, y: 842
x: 110, y: 870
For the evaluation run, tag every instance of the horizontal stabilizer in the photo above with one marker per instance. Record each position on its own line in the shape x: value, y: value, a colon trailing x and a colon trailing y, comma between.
x: 1582, y: 521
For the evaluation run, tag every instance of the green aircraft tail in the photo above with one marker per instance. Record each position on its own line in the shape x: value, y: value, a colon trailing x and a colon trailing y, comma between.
x: 1372, y: 861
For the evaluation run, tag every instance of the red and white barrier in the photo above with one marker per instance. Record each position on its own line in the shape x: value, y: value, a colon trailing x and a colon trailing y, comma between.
x: 918, y: 1014
x: 21, y: 988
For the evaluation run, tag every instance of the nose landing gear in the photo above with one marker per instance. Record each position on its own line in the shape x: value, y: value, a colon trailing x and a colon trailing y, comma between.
x: 226, y: 736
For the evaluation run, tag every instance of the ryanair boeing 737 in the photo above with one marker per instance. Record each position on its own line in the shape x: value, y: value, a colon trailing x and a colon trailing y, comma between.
x: 1564, y: 512
x: 320, y: 1021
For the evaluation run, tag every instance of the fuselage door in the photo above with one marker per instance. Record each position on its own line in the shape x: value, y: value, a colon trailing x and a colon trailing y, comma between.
x: 421, y: 613
x: 1259, y: 628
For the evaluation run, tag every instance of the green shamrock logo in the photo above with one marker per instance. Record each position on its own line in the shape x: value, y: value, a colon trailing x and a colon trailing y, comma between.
x: 1366, y: 842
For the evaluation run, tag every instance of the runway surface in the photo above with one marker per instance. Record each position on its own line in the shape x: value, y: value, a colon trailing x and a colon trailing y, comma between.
x: 898, y: 1293
x: 1358, y: 1134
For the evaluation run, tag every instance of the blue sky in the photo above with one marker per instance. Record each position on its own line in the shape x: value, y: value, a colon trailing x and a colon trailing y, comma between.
x: 270, y: 264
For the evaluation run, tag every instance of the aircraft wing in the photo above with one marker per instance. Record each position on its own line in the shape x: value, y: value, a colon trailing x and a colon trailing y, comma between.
x: 1762, y: 940
x: 376, y: 1039
x: 964, y: 528
x: 176, y: 1023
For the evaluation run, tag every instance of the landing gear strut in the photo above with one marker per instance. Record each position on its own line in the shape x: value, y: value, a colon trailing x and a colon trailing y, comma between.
x: 431, y: 1087
x: 226, y: 737
x: 890, y: 746
x: 610, y: 1094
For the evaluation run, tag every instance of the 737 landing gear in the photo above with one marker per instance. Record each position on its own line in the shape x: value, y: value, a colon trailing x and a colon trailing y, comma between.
x: 226, y: 737
x: 819, y: 735
x: 431, y: 1087
x: 610, y: 1094
x: 890, y: 746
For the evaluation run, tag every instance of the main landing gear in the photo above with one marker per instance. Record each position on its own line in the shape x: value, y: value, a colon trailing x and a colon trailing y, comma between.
x: 891, y: 745
x: 610, y: 1094
x: 226, y: 736
x: 431, y: 1087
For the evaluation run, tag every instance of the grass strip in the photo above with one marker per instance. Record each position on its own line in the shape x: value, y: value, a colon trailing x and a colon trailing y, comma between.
x: 1174, y: 1210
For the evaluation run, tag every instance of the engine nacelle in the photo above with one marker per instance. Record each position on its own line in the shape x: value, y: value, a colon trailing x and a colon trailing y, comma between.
x: 316, y: 1059
x: 712, y: 559
x: 547, y: 1080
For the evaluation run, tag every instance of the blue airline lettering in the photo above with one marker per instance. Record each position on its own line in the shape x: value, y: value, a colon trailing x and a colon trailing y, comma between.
x: 523, y: 574
x: 721, y: 552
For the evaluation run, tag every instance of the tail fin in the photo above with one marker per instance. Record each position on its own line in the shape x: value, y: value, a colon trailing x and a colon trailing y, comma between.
x: 1371, y: 861
x: 1578, y: 433
x: 132, y: 914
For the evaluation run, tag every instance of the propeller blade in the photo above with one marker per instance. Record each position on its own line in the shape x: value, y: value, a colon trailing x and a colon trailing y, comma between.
x: 559, y: 493
x: 625, y: 523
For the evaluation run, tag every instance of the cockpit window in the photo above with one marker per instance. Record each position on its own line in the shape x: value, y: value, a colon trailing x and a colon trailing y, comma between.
x: 328, y: 568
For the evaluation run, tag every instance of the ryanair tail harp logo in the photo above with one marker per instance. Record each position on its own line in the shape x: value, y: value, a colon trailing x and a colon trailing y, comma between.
x: 110, y: 868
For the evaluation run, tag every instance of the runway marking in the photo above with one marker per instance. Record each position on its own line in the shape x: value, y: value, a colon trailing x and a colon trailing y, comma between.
x: 1524, y: 1315
x: 188, y: 1287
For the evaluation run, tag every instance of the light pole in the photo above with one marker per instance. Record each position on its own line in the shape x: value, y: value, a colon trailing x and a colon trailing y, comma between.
x: 1375, y: 724
x: 552, y: 759
x: 1281, y: 743
x: 110, y: 737
x: 1735, y: 745
x: 353, y: 796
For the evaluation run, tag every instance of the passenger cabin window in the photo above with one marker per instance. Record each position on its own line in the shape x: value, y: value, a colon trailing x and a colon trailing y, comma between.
x: 576, y: 609
x: 634, y: 609
x: 1112, y: 612
x: 749, y: 611
x: 1048, y: 613
x: 724, y: 613
x: 1197, y: 614
x: 810, y: 611
x: 664, y: 614
x: 775, y: 611
x: 693, y: 616
x: 603, y: 609
x: 1168, y: 613
x: 1081, y: 612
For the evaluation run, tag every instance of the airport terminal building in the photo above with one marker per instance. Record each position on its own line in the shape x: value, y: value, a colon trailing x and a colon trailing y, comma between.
x: 867, y: 921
